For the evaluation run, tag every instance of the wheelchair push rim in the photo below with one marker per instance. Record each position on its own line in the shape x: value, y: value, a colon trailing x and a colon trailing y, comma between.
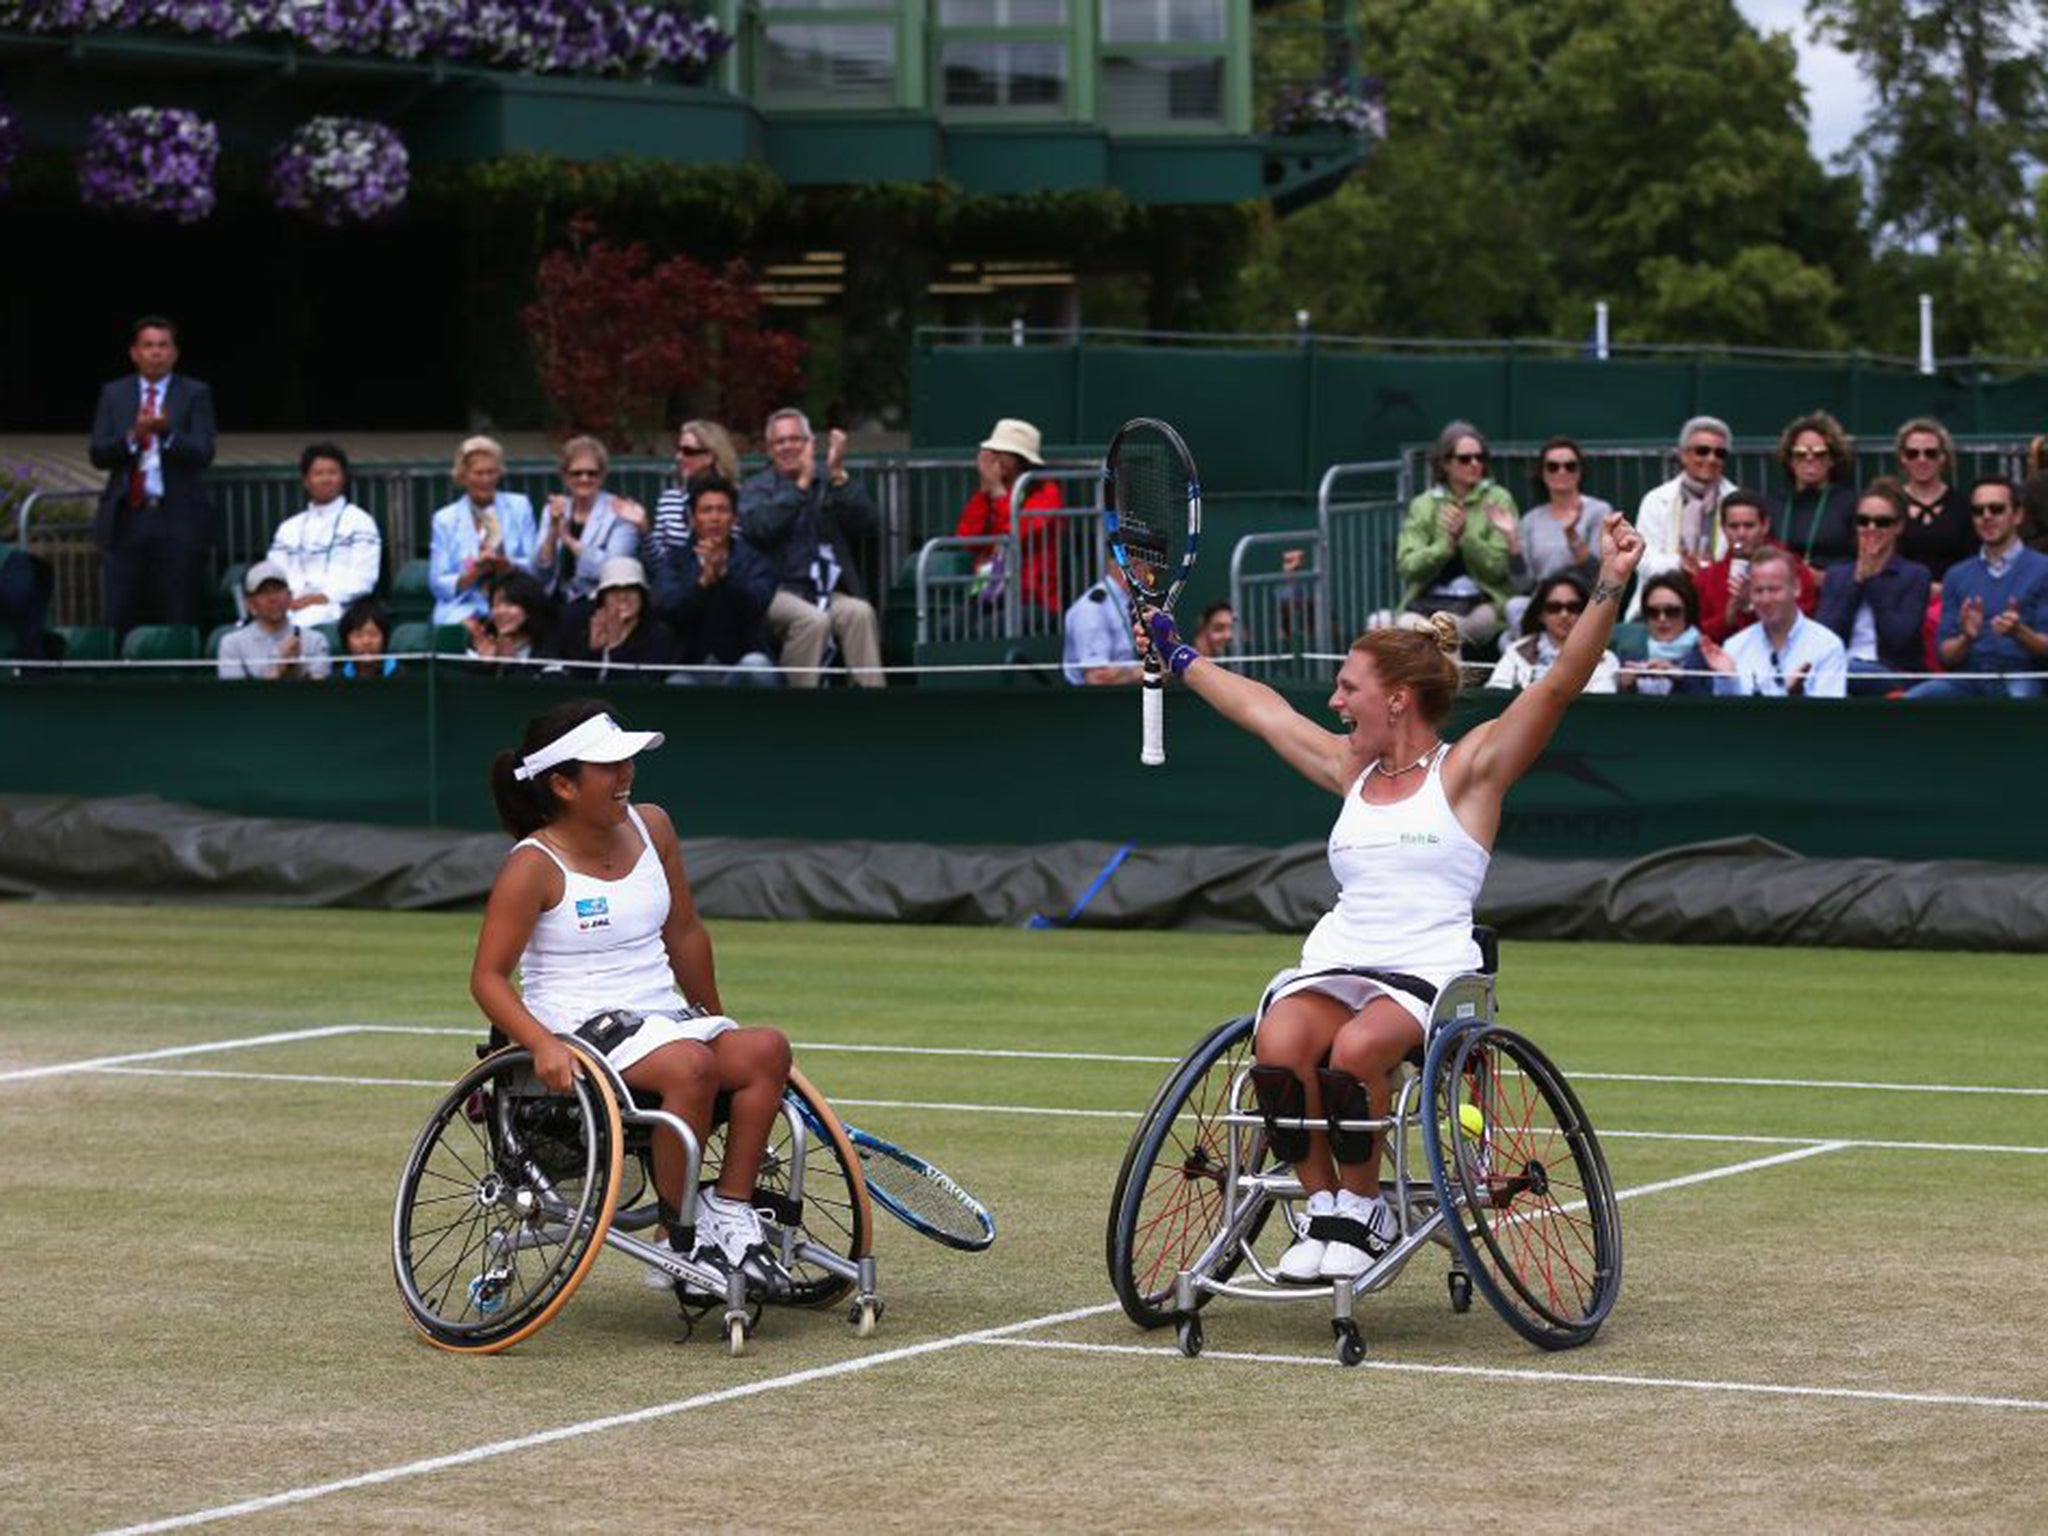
x: 1168, y: 1208
x: 504, y: 1203
x: 1532, y: 1211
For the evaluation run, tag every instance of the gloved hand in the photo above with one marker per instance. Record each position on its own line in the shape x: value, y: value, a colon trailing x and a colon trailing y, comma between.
x: 1167, y: 643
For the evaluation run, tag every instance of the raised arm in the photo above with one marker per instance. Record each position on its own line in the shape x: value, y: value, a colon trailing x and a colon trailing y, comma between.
x: 1494, y: 755
x: 1322, y: 757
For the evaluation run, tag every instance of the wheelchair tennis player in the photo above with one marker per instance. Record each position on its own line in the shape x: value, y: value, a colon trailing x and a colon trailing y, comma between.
x: 1409, y: 849
x: 593, y: 908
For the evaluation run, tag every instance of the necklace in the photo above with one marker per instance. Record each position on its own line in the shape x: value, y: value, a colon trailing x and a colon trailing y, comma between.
x: 1394, y: 773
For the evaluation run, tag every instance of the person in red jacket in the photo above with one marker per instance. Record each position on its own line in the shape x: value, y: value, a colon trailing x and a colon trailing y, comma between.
x: 1012, y: 448
x: 1724, y: 585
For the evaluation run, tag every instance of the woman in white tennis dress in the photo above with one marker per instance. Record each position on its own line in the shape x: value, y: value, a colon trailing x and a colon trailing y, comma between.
x: 593, y: 909
x: 1409, y: 850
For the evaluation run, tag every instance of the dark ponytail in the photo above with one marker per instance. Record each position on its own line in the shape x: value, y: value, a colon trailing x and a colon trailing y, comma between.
x: 526, y: 805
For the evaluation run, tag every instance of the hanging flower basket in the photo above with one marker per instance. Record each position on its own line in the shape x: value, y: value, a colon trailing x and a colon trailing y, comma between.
x: 341, y: 170
x: 150, y: 162
x: 10, y: 140
x: 1325, y: 108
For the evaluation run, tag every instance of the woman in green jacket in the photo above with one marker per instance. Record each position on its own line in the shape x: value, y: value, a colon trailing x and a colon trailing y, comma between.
x: 1460, y: 550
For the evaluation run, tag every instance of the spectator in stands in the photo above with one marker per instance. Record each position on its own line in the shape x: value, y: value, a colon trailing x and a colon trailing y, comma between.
x: 1100, y: 642
x: 1994, y: 606
x: 715, y: 595
x: 331, y: 552
x: 1011, y: 448
x: 1460, y: 547
x: 1784, y: 653
x: 1216, y: 632
x: 1562, y: 532
x: 25, y: 584
x: 152, y: 432
x: 1938, y: 531
x: 1724, y: 583
x: 1877, y: 603
x: 2034, y: 496
x: 1815, y: 515
x: 521, y: 625
x: 702, y: 448
x: 804, y: 517
x: 485, y: 535
x: 1680, y: 520
x: 269, y: 645
x: 585, y: 526
x: 365, y: 640
x: 1559, y: 601
x: 1671, y: 614
x: 622, y: 629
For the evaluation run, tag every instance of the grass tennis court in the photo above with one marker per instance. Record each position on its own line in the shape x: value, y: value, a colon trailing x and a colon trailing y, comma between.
x: 1837, y: 1331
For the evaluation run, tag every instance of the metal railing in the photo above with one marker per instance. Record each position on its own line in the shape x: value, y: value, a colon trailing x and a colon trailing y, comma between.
x: 1013, y: 586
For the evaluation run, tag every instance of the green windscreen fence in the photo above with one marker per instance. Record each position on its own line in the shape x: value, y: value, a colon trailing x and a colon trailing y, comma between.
x: 1264, y: 420
x: 1035, y: 764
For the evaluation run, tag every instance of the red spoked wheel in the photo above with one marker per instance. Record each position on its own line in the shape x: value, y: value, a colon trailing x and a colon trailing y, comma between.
x: 1520, y: 1174
x: 1168, y: 1205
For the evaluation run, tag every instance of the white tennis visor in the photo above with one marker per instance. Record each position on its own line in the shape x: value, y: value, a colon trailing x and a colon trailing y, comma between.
x: 597, y: 740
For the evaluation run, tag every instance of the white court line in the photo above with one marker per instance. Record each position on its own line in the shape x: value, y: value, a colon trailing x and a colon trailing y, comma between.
x: 1547, y: 1378
x: 1811, y: 1143
x: 1802, y: 1082
x: 1728, y: 1172
x: 563, y: 1432
x: 92, y: 1064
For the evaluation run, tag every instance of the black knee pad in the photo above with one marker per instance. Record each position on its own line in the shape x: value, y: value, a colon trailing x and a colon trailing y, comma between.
x: 1280, y: 1096
x: 1344, y: 1098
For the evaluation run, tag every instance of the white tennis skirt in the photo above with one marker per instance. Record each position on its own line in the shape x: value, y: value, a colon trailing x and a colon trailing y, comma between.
x: 659, y: 1029
x: 1350, y: 989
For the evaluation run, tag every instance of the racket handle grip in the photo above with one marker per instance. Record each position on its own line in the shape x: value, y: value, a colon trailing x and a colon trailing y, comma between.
x: 1152, y: 750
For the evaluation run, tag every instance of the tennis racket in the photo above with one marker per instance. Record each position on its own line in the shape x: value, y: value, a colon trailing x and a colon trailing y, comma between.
x: 1152, y: 511
x: 918, y: 1194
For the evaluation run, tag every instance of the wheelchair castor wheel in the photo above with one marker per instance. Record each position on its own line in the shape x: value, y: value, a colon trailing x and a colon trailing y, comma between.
x: 863, y: 1315
x: 1460, y: 1285
x: 1188, y: 1334
x: 737, y: 1331
x: 1350, y: 1347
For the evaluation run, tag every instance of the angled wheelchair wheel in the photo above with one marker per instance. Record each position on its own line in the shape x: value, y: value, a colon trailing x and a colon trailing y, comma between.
x: 1520, y: 1173
x: 835, y: 1214
x: 1168, y: 1205
x: 504, y: 1203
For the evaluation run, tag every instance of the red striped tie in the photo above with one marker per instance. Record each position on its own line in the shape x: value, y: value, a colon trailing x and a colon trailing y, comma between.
x: 138, y: 483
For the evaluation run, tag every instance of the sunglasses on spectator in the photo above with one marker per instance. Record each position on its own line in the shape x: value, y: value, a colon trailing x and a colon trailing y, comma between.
x: 1573, y: 606
x: 1865, y: 521
x: 1813, y: 453
x: 1706, y: 451
x: 1921, y: 453
x: 584, y: 474
x: 1664, y: 610
x: 1990, y: 508
x: 690, y: 450
x: 1469, y: 458
x: 1560, y: 466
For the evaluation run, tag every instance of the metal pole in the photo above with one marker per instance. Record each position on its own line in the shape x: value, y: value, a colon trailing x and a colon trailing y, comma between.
x: 1600, y: 330
x: 1017, y: 331
x: 1927, y: 334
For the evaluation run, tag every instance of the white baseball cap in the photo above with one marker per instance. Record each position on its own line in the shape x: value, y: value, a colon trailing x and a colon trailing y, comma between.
x: 600, y: 739
x: 262, y: 571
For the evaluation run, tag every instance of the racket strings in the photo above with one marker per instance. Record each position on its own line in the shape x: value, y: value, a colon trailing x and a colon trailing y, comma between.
x: 1151, y: 506
x: 926, y: 1193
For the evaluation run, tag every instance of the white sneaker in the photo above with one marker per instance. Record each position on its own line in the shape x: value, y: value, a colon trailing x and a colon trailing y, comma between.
x: 731, y: 1229
x: 1376, y: 1230
x: 1303, y: 1263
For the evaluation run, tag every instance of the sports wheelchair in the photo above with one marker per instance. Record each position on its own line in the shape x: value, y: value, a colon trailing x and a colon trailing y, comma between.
x: 512, y: 1188
x: 1486, y: 1153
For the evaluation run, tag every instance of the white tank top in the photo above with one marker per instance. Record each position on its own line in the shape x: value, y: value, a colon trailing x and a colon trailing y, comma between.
x: 1407, y: 876
x: 600, y: 946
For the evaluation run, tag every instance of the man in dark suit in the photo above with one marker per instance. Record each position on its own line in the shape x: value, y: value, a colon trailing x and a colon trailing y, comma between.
x: 153, y: 434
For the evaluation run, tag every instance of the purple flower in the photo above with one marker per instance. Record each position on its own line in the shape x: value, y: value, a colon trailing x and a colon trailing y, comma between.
x: 149, y: 162
x: 1332, y: 106
x: 341, y: 170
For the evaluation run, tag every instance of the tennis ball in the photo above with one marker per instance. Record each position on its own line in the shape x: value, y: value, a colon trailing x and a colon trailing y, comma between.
x: 1470, y: 1121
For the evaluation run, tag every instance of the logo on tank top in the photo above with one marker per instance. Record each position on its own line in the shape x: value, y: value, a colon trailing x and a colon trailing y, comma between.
x: 1420, y: 837
x: 592, y: 913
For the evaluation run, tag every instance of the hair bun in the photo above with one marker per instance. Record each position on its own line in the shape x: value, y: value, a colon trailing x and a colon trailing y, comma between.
x: 1448, y: 640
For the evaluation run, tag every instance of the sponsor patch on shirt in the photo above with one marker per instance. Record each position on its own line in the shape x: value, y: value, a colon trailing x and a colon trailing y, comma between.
x: 592, y: 913
x: 1420, y: 837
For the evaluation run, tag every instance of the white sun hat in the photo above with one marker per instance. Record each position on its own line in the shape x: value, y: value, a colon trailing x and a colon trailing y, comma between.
x: 597, y: 740
x: 1019, y: 437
